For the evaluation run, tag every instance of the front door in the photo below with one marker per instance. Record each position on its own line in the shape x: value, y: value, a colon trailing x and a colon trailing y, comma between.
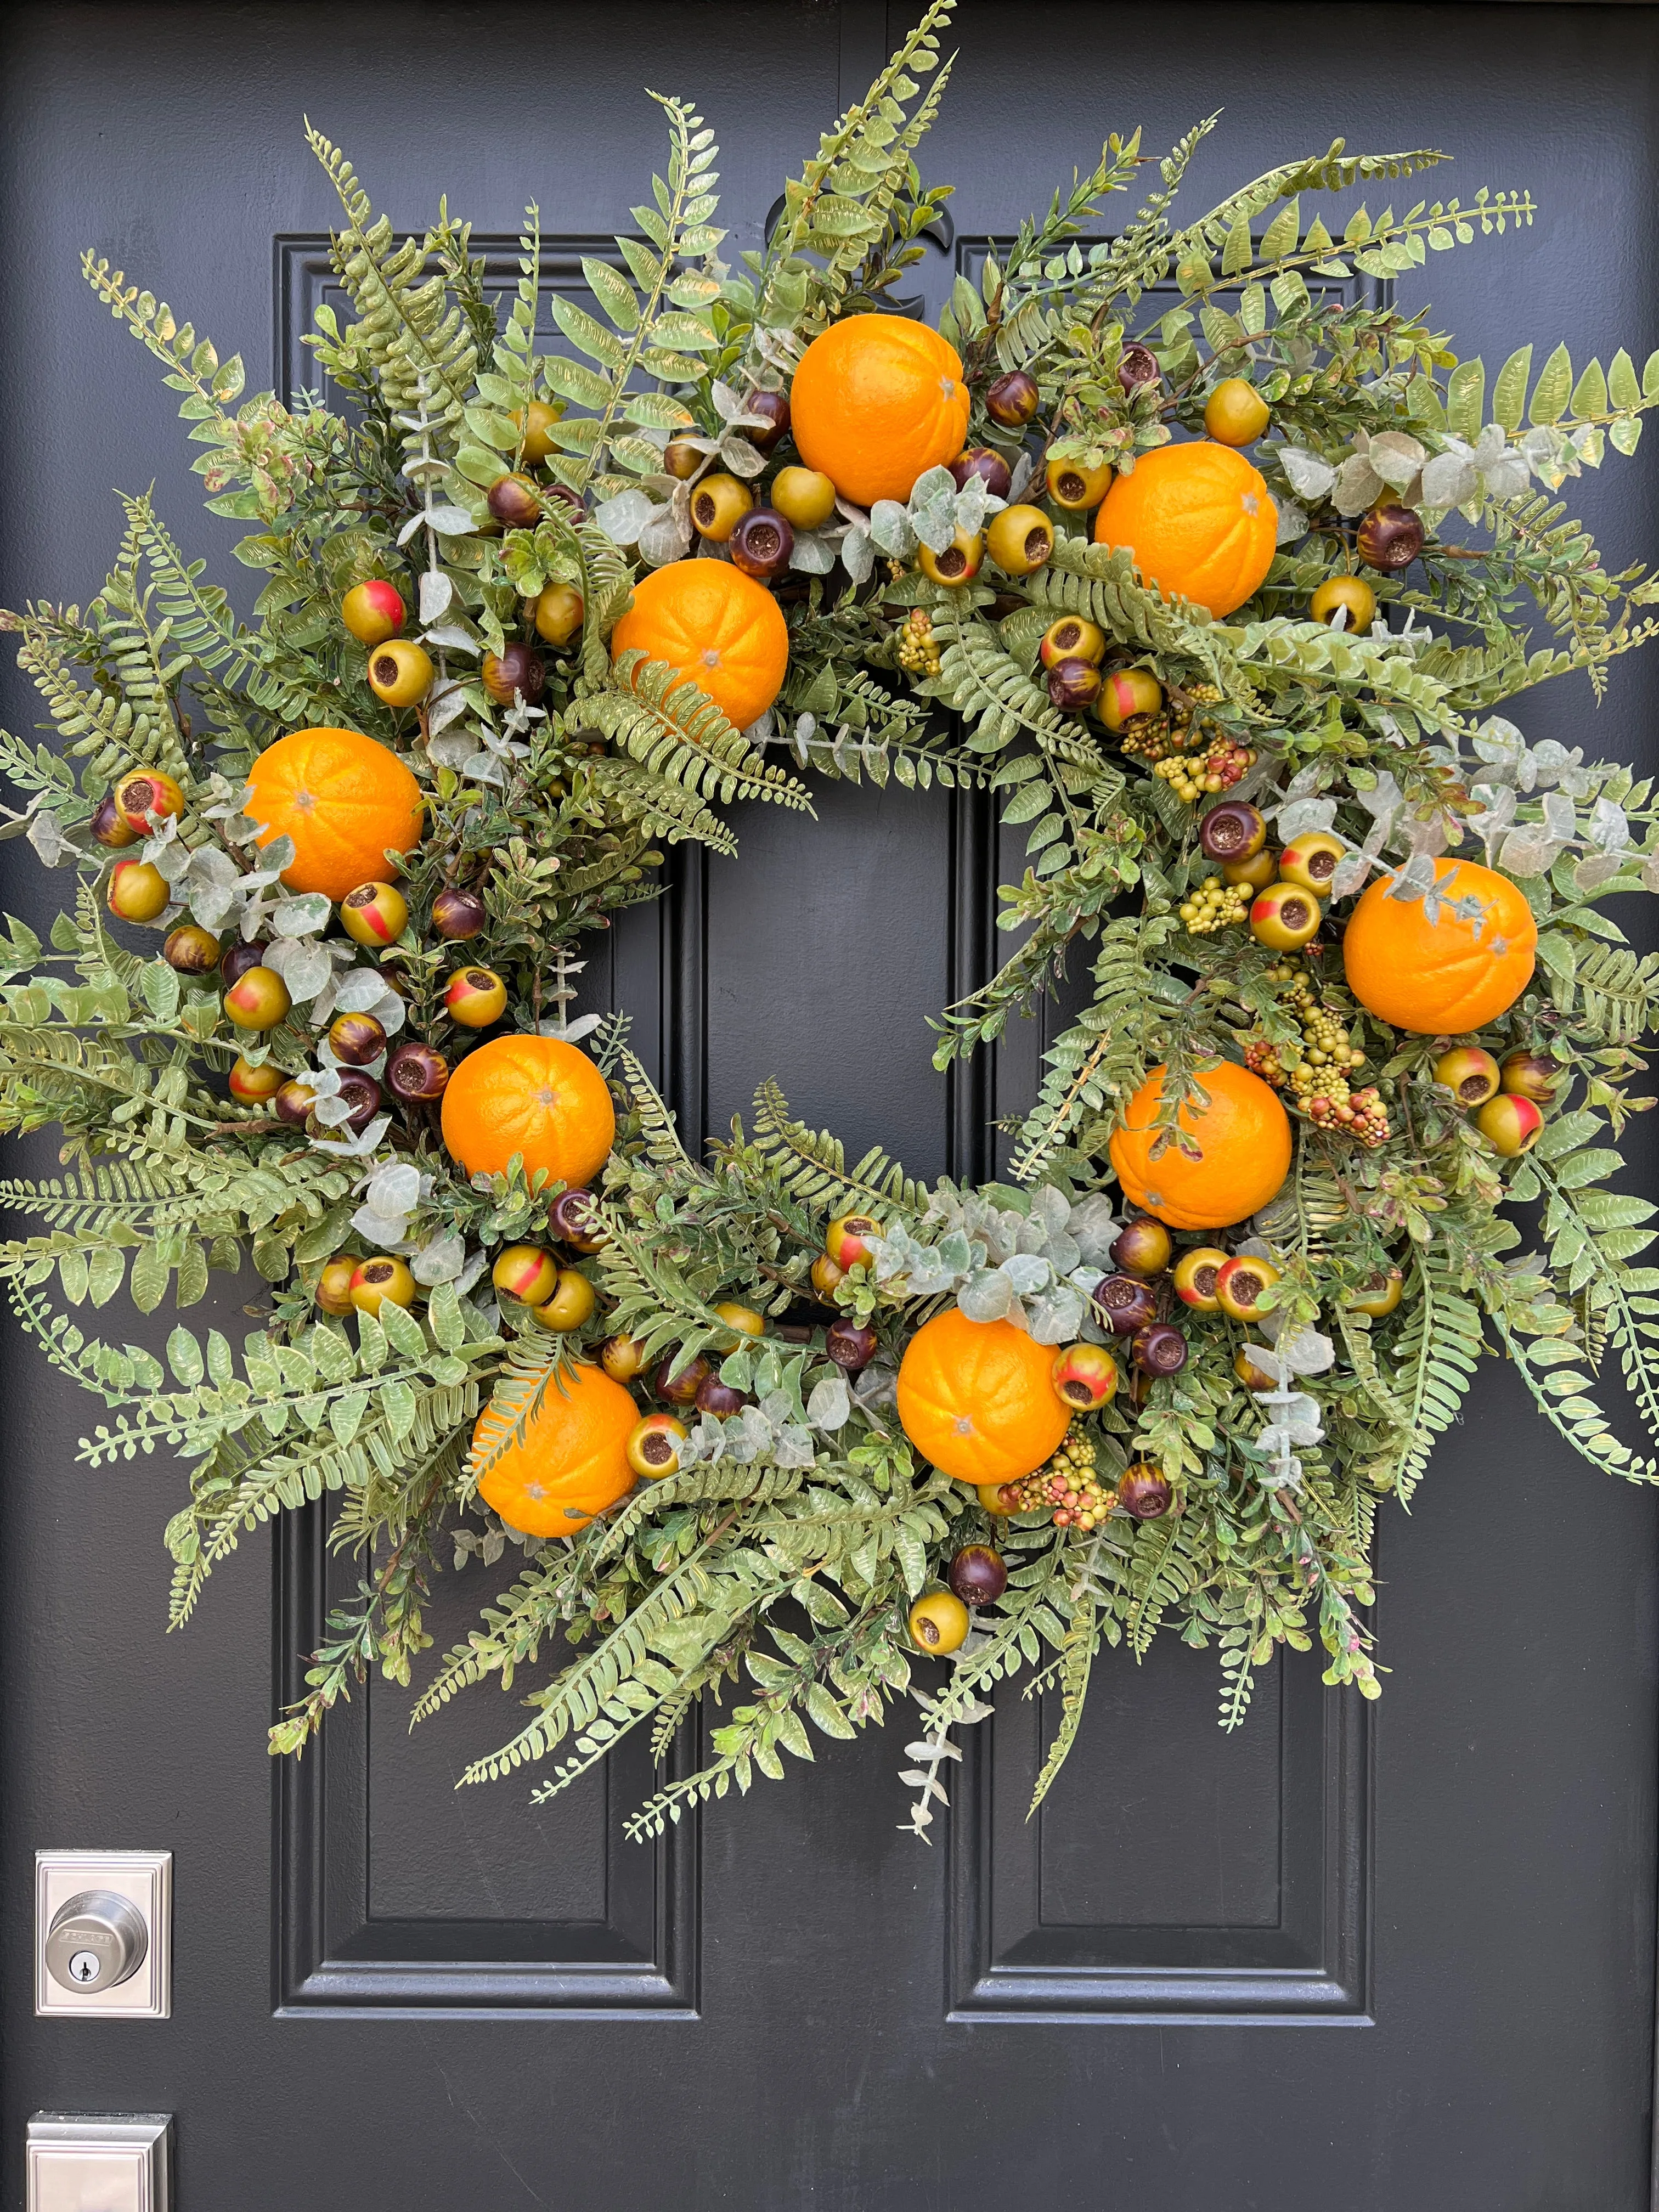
x: 1374, y: 1958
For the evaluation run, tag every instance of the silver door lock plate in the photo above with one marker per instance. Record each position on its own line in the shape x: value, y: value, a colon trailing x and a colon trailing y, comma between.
x: 77, y: 2161
x: 103, y: 1934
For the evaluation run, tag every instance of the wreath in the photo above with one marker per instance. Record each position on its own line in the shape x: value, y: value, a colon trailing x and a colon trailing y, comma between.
x: 1182, y: 586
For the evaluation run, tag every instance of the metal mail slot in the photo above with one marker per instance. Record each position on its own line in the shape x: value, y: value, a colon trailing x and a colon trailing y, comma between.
x: 85, y: 2162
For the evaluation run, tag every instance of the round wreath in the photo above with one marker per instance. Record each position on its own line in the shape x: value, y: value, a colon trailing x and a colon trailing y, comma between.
x: 1183, y: 600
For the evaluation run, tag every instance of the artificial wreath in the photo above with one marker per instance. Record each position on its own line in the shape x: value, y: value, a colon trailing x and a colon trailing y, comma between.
x: 1183, y: 587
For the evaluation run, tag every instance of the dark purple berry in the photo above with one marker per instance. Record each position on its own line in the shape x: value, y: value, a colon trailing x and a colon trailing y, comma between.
x: 1074, y: 684
x: 239, y: 959
x: 1232, y: 831
x: 1129, y: 1306
x: 980, y: 461
x: 977, y: 1575
x: 1144, y: 1491
x: 850, y: 1344
x: 1161, y: 1349
x: 685, y: 1386
x: 1390, y: 537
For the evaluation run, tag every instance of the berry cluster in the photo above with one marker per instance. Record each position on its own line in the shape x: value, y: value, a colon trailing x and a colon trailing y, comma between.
x: 918, y: 648
x: 1320, y: 1083
x: 1067, y: 1484
x: 1219, y: 768
x: 1216, y: 905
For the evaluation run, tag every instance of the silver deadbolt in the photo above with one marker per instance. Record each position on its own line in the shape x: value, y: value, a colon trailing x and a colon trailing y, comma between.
x: 97, y: 1940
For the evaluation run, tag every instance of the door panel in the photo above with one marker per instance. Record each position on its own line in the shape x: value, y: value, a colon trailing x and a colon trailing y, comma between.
x: 388, y: 1992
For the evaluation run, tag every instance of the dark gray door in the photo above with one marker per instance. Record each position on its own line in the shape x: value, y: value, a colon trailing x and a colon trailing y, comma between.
x: 1384, y: 1959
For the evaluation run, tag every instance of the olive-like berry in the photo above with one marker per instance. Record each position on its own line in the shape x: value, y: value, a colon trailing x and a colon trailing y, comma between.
x: 1236, y: 414
x: 1127, y: 695
x: 654, y: 1446
x: 375, y: 1282
x: 559, y: 614
x: 527, y: 1272
x: 573, y: 1218
x: 1247, y: 1366
x: 960, y: 562
x: 1142, y: 1248
x: 989, y: 467
x: 1137, y: 367
x: 571, y: 1304
x: 333, y: 1292
x: 825, y: 1274
x: 191, y: 950
x: 258, y: 1000
x: 1258, y: 871
x: 977, y: 1575
x: 718, y: 504
x: 373, y: 611
x: 361, y: 1094
x: 681, y: 460
x: 719, y: 1398
x: 536, y: 423
x: 939, y: 1622
x: 1390, y: 537
x: 774, y: 410
x: 1195, y: 1273
x: 1379, y: 1294
x: 1144, y: 1491
x: 680, y: 1389
x: 1075, y: 488
x: 1020, y: 540
x: 456, y: 915
x: 515, y: 502
x: 622, y: 1356
x: 762, y: 543
x: 1311, y: 860
x: 108, y: 828
x: 417, y: 1073
x: 294, y: 1103
x: 356, y: 1039
x: 1240, y: 1284
x: 1125, y: 1302
x: 805, y: 497
x: 1510, y: 1124
x: 240, y: 957
x: 144, y: 794
x: 399, y: 672
x: 1283, y: 916
x: 517, y: 672
x: 850, y: 1237
x: 742, y: 1320
x: 1350, y: 595
x: 138, y: 890
x: 1529, y: 1075
x: 1234, y: 830
x: 1161, y: 1349
x: 1012, y: 399
x: 1471, y: 1076
x: 1074, y: 684
x: 475, y: 997
x: 373, y: 915
x: 1072, y: 637
x: 851, y: 1345
x: 1084, y: 1376
x: 254, y: 1084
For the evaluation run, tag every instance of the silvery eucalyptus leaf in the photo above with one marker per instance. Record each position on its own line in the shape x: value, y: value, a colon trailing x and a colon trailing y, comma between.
x: 1303, y: 815
x: 621, y: 519
x: 811, y: 555
x: 1599, y: 868
x: 986, y: 1295
x: 665, y: 537
x: 889, y: 530
x: 1028, y: 1273
x: 440, y: 1258
x: 858, y: 555
x: 302, y: 916
x: 436, y: 592
x: 1055, y: 1315
x: 830, y: 1404
x: 1293, y: 523
x: 303, y: 964
x: 1308, y: 475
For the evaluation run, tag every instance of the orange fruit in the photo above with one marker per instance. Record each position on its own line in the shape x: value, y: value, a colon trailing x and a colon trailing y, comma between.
x: 1200, y: 521
x: 572, y: 1461
x: 1439, y: 978
x: 531, y: 1094
x: 876, y: 400
x: 976, y: 1400
x: 715, y: 625
x: 346, y: 801
x: 1244, y: 1139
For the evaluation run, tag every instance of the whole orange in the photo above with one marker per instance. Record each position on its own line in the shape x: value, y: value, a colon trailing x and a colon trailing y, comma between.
x: 876, y: 400
x: 1243, y: 1136
x: 715, y: 625
x: 977, y: 1398
x: 572, y: 1460
x: 536, y: 1095
x: 1439, y: 978
x: 1200, y: 521
x: 346, y: 801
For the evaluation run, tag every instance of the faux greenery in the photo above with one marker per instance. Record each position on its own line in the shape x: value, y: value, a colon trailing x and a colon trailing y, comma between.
x: 774, y: 1570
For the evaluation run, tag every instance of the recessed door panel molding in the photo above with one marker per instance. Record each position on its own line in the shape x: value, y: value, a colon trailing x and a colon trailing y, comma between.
x: 626, y: 1946
x: 1253, y: 1909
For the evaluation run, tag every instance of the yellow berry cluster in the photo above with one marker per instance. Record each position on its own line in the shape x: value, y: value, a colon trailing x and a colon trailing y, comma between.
x: 1153, y: 738
x: 1194, y: 777
x: 1216, y: 905
x: 918, y: 648
x: 1067, y: 1484
x: 1320, y: 1084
